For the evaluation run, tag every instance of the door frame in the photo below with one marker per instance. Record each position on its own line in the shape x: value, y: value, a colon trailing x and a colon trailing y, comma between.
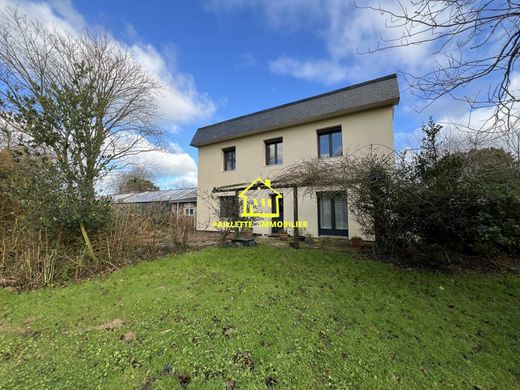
x: 277, y: 230
x: 332, y: 231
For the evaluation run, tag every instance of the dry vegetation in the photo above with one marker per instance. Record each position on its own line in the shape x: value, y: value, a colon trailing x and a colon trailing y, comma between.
x: 31, y: 258
x: 72, y: 108
x: 35, y: 251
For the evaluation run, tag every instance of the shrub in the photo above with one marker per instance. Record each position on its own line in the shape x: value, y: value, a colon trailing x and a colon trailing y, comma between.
x: 441, y: 201
x: 40, y: 244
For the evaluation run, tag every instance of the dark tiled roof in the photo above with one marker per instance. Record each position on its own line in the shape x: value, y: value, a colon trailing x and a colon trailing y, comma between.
x: 180, y: 195
x: 374, y: 93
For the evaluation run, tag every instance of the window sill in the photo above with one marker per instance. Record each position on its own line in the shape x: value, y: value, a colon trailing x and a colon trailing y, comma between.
x: 328, y: 158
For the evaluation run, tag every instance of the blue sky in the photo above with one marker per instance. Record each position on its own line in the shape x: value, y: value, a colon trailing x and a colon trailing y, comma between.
x: 225, y: 58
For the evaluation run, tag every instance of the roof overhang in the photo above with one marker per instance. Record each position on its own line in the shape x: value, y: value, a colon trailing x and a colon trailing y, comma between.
x: 366, y: 107
x: 377, y: 93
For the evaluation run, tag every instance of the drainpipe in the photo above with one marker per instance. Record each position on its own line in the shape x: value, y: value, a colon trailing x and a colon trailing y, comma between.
x: 237, y: 211
x: 296, y: 235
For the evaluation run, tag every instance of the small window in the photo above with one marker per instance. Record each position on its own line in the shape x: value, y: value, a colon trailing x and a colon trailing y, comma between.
x: 274, y: 152
x: 188, y: 211
x: 230, y: 159
x: 330, y: 143
x: 228, y: 207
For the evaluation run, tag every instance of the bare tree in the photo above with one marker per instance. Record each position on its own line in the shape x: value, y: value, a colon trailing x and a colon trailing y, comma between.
x: 81, y: 97
x: 472, y: 40
x: 512, y: 143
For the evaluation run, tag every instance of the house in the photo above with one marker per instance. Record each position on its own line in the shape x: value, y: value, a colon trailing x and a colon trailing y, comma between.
x: 236, y: 152
x: 179, y: 201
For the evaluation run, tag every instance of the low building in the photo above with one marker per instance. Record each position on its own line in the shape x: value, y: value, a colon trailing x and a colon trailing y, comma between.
x: 180, y: 201
x: 239, y: 151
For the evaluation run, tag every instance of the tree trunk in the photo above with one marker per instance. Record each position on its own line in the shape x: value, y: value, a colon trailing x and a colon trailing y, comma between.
x: 88, y: 244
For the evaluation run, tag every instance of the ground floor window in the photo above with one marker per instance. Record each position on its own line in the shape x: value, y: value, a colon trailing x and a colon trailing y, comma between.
x: 188, y: 211
x: 332, y: 215
x: 228, y: 207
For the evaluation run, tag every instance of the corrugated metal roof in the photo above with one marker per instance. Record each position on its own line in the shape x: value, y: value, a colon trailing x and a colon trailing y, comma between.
x: 179, y: 195
x: 379, y: 92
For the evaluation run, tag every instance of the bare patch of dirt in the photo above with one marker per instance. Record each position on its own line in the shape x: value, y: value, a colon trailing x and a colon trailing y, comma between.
x: 228, y: 331
x: 270, y: 381
x: 183, y: 379
x: 115, y: 323
x: 22, y: 330
x: 244, y: 359
x: 129, y: 337
x: 201, y: 239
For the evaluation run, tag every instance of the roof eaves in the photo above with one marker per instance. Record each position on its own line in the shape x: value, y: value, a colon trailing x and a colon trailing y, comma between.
x: 354, y: 86
x: 382, y: 103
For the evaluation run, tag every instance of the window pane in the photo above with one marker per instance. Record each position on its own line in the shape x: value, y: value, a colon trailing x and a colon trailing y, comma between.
x: 340, y: 208
x: 229, y: 160
x: 271, y: 154
x: 228, y: 207
x: 232, y: 159
x: 337, y: 147
x: 324, y: 145
x: 325, y: 213
x: 279, y: 153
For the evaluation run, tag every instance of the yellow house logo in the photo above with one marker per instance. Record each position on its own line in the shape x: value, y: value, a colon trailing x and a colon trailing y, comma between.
x: 263, y: 206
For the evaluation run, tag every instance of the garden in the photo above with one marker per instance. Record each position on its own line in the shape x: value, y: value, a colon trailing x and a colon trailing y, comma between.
x: 265, y: 317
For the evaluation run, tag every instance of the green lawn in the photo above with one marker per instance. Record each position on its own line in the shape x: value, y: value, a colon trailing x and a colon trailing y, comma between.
x: 293, y: 319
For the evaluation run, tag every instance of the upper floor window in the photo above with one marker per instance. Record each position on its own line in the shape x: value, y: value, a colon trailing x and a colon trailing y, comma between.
x: 230, y: 155
x: 330, y: 143
x: 274, y: 151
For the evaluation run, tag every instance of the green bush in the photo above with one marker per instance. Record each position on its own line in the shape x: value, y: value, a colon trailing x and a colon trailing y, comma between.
x: 441, y: 202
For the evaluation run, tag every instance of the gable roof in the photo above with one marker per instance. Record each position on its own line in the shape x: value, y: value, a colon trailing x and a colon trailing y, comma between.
x: 379, y: 92
x: 179, y: 195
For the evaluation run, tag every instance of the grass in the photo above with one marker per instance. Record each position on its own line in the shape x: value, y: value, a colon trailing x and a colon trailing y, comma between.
x: 265, y: 316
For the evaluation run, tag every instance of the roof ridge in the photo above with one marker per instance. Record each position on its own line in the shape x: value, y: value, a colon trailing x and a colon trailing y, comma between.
x: 343, y: 89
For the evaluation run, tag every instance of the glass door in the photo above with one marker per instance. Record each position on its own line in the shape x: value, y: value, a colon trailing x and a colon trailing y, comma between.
x: 332, y: 215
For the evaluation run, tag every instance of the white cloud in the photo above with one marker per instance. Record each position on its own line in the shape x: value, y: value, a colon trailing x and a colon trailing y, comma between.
x: 348, y: 34
x: 58, y: 17
x: 169, y: 166
x: 167, y: 162
x: 286, y: 14
x: 179, y: 102
x: 328, y: 72
x: 185, y: 181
